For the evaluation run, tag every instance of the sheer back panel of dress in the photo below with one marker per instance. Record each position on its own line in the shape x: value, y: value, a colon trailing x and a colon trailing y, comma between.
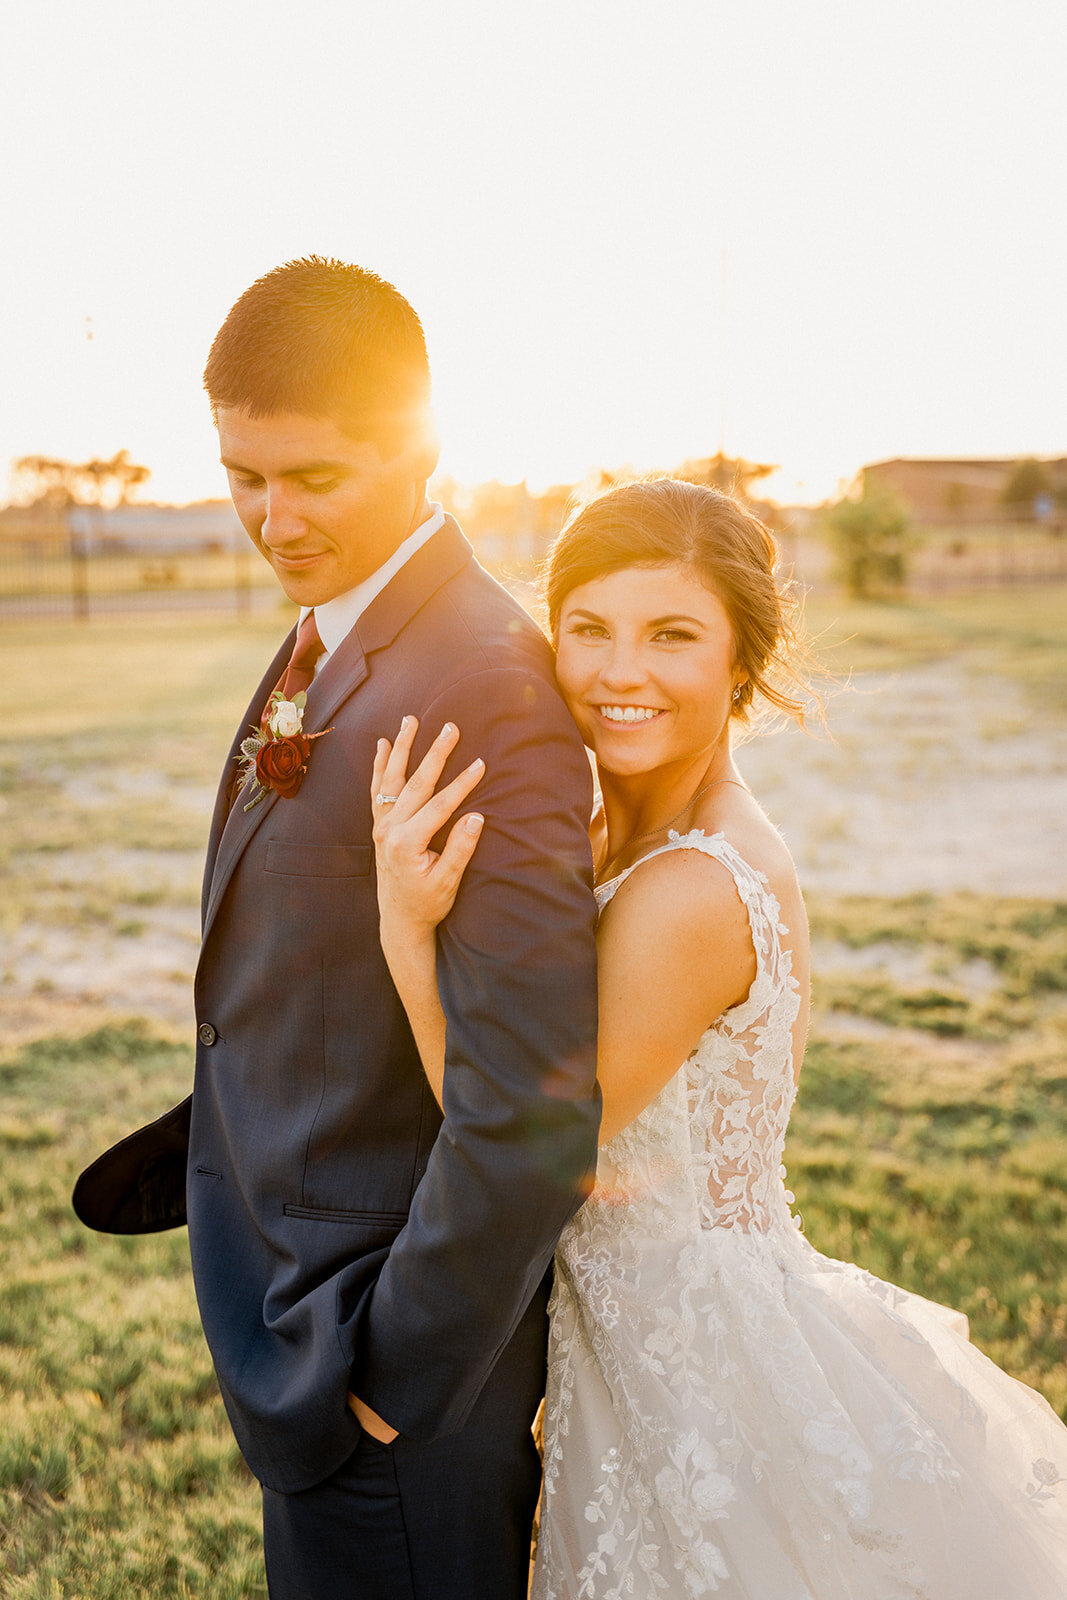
x: 741, y: 1078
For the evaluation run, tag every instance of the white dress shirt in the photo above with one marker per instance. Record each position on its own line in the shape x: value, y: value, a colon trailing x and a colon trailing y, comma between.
x: 336, y: 618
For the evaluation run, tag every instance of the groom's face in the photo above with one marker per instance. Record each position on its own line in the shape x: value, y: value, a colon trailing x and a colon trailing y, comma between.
x: 324, y: 509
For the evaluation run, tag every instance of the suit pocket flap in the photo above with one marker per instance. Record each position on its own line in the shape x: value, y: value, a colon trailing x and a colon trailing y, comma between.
x: 392, y: 1220
x: 318, y: 860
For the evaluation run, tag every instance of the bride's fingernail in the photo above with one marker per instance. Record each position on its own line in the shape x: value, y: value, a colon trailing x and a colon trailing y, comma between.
x: 473, y: 822
x: 446, y: 731
x: 476, y: 766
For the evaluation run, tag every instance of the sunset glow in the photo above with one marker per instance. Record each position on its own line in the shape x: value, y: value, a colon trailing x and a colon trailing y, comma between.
x: 819, y: 234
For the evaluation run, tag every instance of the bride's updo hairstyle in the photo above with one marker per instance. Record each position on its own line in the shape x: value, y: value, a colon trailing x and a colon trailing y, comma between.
x: 661, y: 521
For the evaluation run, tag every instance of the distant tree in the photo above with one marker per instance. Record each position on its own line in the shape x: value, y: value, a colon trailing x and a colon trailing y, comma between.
x: 49, y: 480
x: 871, y: 539
x: 500, y: 508
x: 44, y: 480
x: 730, y: 473
x: 116, y: 478
x: 1026, y: 480
x: 553, y: 506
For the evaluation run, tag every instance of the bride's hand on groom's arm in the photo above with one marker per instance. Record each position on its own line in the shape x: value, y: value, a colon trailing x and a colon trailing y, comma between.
x: 417, y: 885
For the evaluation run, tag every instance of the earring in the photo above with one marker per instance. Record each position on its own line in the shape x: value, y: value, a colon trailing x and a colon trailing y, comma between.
x: 735, y: 697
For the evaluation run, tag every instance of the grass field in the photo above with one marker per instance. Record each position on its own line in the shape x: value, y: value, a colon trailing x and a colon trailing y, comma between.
x: 928, y: 1143
x: 119, y: 1477
x: 1017, y: 632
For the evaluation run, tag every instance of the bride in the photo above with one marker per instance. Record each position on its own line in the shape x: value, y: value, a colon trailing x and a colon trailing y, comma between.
x: 727, y: 1410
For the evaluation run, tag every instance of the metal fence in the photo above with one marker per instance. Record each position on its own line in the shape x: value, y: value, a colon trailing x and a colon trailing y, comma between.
x: 946, y: 558
x: 951, y: 558
x: 63, y: 577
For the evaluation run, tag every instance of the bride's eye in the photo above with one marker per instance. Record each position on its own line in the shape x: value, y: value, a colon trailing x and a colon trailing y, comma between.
x: 587, y: 630
x: 674, y: 635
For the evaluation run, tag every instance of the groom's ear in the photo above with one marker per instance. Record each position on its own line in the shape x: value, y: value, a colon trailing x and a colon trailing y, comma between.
x: 417, y: 457
x: 425, y: 453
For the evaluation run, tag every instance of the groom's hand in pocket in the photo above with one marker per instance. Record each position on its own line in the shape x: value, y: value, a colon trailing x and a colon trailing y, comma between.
x: 370, y: 1421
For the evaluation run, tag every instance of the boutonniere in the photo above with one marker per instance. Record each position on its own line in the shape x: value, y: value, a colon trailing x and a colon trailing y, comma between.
x: 276, y: 753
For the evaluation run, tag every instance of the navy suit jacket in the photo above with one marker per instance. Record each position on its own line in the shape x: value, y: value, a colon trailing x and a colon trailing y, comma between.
x: 342, y: 1235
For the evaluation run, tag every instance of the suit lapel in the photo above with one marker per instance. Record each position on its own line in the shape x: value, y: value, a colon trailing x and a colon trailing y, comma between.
x: 428, y: 569
x: 445, y: 554
x: 223, y: 811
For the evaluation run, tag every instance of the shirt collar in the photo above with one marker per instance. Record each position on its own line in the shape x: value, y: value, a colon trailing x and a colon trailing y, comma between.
x: 336, y: 618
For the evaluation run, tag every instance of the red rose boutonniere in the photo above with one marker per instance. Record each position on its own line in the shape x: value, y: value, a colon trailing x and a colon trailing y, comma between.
x: 276, y: 753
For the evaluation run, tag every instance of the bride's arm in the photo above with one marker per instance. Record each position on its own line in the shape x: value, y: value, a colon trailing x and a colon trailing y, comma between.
x: 674, y: 947
x: 416, y: 885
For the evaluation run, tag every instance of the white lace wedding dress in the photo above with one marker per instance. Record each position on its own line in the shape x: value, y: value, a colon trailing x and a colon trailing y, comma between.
x: 730, y: 1412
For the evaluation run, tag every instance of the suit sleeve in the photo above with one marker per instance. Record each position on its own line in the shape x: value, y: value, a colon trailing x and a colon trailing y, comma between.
x: 517, y: 1151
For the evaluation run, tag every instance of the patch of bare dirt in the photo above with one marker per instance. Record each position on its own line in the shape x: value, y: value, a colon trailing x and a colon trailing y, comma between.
x: 939, y: 779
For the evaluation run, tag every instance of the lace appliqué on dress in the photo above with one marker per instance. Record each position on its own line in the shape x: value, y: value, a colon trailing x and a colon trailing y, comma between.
x: 729, y: 1412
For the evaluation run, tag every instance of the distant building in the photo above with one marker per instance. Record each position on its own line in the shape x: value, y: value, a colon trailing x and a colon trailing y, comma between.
x: 159, y: 530
x: 967, y: 489
x: 207, y: 525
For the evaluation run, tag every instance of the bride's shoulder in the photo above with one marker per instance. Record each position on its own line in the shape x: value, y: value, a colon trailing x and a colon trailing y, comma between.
x: 756, y: 842
x: 678, y: 928
x: 759, y: 844
x: 682, y: 893
x: 747, y: 851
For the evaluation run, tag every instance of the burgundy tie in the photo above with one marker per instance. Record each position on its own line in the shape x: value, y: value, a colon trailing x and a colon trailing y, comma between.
x: 297, y: 675
x: 301, y: 669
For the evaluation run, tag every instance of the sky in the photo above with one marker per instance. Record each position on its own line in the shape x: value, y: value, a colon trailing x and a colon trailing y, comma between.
x: 816, y: 232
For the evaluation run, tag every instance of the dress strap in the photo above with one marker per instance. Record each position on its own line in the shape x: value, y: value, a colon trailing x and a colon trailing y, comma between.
x: 764, y: 912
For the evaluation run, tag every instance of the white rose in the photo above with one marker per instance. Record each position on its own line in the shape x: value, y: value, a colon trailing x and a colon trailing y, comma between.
x: 285, y: 720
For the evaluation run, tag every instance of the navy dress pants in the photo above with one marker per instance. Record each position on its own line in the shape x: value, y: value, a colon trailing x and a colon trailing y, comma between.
x: 443, y: 1521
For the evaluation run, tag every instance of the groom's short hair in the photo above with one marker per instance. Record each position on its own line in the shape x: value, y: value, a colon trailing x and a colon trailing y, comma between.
x: 324, y: 338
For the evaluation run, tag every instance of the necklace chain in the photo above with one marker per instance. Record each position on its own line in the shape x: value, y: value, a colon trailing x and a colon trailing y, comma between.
x: 641, y: 837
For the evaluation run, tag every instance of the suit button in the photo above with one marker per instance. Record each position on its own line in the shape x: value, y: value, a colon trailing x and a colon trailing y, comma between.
x: 206, y: 1033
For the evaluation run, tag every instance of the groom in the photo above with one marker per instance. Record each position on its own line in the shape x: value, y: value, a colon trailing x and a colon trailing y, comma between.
x: 372, y: 1280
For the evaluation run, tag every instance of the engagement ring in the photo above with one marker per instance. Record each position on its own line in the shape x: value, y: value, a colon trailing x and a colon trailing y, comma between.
x: 386, y: 799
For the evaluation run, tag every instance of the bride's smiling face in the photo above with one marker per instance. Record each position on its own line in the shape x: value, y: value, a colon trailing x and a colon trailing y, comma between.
x: 646, y: 662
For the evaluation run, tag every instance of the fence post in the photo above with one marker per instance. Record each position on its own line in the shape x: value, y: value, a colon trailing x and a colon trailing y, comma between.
x: 79, y: 574
x: 242, y: 578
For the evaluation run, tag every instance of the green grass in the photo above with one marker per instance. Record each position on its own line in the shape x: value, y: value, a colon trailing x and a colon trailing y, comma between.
x: 931, y: 1008
x: 1025, y: 941
x: 123, y: 677
x: 154, y: 700
x: 949, y: 1179
x: 933, y: 1149
x: 123, y: 685
x: 928, y: 1141
x: 119, y: 1476
x: 1019, y: 632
